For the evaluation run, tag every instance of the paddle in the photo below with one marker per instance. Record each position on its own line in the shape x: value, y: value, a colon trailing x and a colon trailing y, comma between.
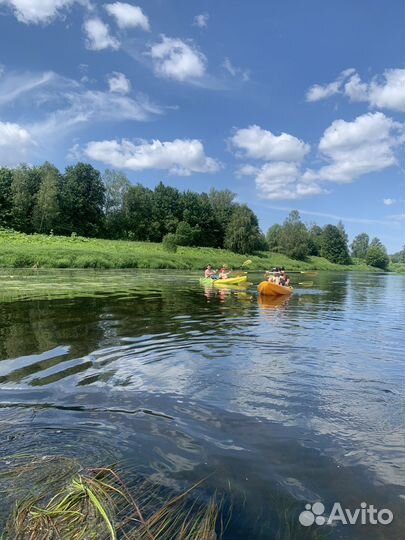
x: 309, y: 272
x: 306, y: 283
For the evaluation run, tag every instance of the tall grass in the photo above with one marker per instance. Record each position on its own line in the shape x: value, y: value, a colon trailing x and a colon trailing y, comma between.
x: 96, y: 504
x: 18, y: 250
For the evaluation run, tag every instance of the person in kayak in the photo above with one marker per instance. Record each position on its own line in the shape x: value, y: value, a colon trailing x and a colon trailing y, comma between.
x: 284, y: 279
x: 223, y: 273
x: 210, y: 272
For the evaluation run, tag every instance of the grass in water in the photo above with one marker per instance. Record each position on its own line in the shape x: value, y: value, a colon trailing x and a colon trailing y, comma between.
x: 95, y: 504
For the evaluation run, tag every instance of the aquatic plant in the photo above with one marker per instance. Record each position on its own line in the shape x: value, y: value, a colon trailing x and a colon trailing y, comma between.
x: 96, y: 504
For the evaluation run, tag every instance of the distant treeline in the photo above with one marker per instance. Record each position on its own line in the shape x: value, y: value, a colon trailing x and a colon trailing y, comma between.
x: 83, y: 202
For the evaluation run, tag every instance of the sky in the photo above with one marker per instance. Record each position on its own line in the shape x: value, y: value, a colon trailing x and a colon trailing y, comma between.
x: 289, y: 104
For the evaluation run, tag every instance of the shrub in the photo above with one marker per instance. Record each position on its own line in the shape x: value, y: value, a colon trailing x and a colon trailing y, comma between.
x: 169, y: 243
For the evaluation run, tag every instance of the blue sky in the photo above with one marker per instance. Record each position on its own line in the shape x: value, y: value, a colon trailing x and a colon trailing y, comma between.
x: 289, y: 104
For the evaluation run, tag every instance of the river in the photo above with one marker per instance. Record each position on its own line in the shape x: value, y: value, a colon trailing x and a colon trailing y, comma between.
x: 286, y: 403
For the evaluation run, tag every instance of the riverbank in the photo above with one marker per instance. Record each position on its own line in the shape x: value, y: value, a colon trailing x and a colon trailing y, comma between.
x: 18, y: 250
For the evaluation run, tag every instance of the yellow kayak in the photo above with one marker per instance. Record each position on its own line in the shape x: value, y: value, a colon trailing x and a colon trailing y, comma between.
x: 272, y: 289
x: 228, y: 281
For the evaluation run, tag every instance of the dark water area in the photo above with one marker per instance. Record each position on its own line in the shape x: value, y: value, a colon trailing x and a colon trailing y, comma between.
x: 279, y: 403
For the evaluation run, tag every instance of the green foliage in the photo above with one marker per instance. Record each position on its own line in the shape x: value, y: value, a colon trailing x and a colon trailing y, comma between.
x: 360, y: 246
x: 21, y: 199
x: 43, y: 251
x: 273, y: 237
x: 186, y: 235
x: 293, y: 240
x: 137, y: 211
x: 46, y: 209
x: 377, y: 255
x: 243, y: 234
x: 6, y: 178
x: 169, y: 243
x: 223, y: 205
x: 314, y: 239
x: 83, y: 198
x: 334, y: 247
x: 116, y: 187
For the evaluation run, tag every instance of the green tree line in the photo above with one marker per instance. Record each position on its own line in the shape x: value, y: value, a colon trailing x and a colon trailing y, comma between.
x: 297, y: 240
x: 84, y: 202
x: 81, y: 201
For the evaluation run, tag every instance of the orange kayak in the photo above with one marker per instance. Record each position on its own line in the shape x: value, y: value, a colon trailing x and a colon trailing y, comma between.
x: 271, y: 289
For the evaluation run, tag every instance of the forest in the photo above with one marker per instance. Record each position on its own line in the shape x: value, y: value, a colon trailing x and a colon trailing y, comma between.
x: 83, y: 202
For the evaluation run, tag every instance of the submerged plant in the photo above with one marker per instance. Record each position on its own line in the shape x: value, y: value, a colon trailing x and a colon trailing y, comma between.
x: 95, y: 504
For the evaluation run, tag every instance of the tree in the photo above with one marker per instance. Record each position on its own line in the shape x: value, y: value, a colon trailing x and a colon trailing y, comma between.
x: 83, y: 199
x: 243, y: 234
x: 377, y: 255
x: 294, y: 237
x: 137, y: 211
x: 342, y: 231
x: 46, y: 209
x: 169, y: 243
x: 334, y: 247
x: 273, y: 237
x: 199, y: 214
x: 6, y: 178
x: 223, y: 205
x: 360, y: 246
x: 21, y: 202
x: 166, y: 212
x: 186, y: 235
x: 314, y: 239
x: 116, y: 186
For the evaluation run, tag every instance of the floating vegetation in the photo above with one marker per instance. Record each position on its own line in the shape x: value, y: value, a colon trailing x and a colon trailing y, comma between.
x: 96, y: 504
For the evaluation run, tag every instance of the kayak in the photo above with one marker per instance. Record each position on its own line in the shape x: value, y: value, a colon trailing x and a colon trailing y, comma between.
x: 271, y: 289
x: 228, y: 281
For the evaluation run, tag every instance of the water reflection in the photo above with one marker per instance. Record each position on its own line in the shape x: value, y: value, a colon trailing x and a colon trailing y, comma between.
x: 286, y: 399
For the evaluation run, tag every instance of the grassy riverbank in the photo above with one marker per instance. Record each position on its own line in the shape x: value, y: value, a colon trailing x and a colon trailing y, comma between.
x: 19, y: 250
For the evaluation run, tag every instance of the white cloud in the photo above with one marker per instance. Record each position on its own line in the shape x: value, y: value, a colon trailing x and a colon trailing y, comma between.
x: 317, y: 92
x: 281, y: 180
x: 181, y: 156
x: 38, y: 11
x: 128, y: 16
x: 258, y: 143
x: 15, y: 144
x: 355, y: 148
x: 201, y: 20
x: 98, y: 35
x: 14, y: 85
x: 175, y: 59
x: 385, y: 92
x: 235, y: 71
x: 119, y: 83
x: 389, y: 202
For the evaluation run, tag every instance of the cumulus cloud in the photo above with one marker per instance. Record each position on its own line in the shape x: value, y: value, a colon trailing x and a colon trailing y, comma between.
x: 389, y: 202
x: 38, y: 11
x: 181, y: 156
x: 350, y: 149
x: 385, y: 92
x: 119, y: 83
x: 235, y: 71
x: 258, y: 143
x: 175, y: 59
x: 128, y: 16
x: 15, y: 144
x: 355, y: 148
x: 201, y: 20
x: 98, y: 35
x: 281, y: 180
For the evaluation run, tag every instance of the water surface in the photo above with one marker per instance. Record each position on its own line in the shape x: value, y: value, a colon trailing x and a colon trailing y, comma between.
x: 286, y: 402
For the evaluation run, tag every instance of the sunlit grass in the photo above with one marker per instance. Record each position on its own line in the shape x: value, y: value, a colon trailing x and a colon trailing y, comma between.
x: 96, y: 504
x: 19, y: 250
